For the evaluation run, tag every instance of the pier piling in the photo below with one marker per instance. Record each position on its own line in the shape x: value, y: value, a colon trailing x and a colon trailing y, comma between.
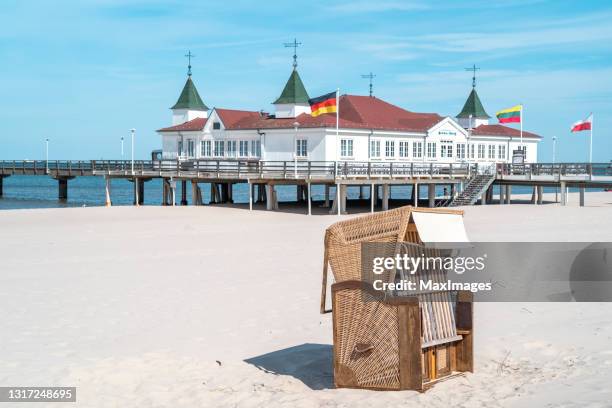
x: 107, y: 191
x: 372, y: 189
x: 1, y: 185
x: 309, y: 200
x: 183, y: 192
x: 563, y: 193
x: 385, y: 197
x: 431, y: 195
x: 581, y: 190
x: 62, y: 184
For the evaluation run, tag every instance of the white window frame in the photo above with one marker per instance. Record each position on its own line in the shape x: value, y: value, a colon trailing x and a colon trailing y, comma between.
x: 219, y: 148
x: 501, y: 152
x: 255, y: 148
x: 301, y: 148
x: 404, y: 149
x: 461, y: 150
x: 243, y: 148
x: 230, y: 150
x: 417, y: 150
x: 389, y: 149
x: 432, y: 148
x: 375, y: 149
x: 491, y: 152
x: 190, y: 148
x: 346, y: 148
x: 206, y: 148
x: 481, y: 150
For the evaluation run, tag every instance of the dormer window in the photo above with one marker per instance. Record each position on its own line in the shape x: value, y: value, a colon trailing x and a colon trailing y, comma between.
x: 216, y: 125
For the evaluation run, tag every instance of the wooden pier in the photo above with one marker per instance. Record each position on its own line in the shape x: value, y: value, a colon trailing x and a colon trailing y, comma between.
x: 468, y: 182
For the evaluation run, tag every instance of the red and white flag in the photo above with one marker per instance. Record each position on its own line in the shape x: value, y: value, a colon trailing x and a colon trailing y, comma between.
x: 583, y: 124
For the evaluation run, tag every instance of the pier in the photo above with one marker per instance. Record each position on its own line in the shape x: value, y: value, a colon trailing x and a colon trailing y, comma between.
x: 467, y: 183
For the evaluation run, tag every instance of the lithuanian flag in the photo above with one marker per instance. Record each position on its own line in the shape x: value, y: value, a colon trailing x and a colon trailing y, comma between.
x: 510, y: 115
x: 323, y: 104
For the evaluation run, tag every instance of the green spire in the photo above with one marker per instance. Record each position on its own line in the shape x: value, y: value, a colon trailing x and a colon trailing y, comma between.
x: 190, y: 98
x: 294, y: 91
x: 473, y: 107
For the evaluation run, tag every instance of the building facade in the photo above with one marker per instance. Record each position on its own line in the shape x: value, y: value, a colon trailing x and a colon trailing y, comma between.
x: 369, y: 129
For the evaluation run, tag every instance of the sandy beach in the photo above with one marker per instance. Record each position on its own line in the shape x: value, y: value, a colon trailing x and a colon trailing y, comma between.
x: 219, y: 307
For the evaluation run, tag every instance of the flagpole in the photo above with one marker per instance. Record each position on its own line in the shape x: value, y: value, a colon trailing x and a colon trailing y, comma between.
x: 521, y: 126
x: 591, y: 141
x: 338, y: 146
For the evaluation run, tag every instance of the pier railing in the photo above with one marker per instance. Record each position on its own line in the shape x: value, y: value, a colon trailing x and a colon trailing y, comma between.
x: 299, y: 169
x: 555, y: 170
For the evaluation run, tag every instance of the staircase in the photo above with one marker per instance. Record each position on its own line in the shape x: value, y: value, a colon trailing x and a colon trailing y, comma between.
x: 475, y: 187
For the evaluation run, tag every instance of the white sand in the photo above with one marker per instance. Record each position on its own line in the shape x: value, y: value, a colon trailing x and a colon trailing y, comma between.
x: 135, y: 306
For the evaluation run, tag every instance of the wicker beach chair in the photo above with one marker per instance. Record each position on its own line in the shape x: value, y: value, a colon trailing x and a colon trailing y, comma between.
x: 392, y: 343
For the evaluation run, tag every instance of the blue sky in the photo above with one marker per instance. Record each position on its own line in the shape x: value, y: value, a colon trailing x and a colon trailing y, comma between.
x: 84, y: 72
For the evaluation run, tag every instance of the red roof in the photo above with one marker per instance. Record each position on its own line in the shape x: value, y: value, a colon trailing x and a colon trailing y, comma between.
x: 500, y: 130
x: 230, y: 117
x: 193, y: 125
x: 356, y: 112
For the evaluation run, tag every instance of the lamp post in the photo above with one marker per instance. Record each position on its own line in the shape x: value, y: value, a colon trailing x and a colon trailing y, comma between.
x: 47, y: 155
x: 295, y: 152
x: 121, y: 147
x: 132, y: 132
x: 554, y: 147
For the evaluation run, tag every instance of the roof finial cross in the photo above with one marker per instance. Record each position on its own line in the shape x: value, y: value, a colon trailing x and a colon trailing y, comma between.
x: 370, y: 76
x: 295, y: 44
x: 474, y: 68
x: 189, y: 56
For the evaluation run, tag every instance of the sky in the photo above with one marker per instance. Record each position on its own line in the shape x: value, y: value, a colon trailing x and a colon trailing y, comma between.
x: 82, y: 73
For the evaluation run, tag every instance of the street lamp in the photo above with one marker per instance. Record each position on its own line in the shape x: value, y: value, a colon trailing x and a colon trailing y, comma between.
x: 554, y: 147
x: 132, y: 132
x: 47, y: 154
x: 121, y: 147
x: 295, y: 151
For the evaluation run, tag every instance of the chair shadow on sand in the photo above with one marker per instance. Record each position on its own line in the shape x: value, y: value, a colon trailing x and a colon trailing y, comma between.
x: 309, y: 363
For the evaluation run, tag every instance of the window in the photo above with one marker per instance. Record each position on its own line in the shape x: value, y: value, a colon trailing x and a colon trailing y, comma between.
x: 256, y: 148
x: 346, y: 147
x: 460, y: 150
x: 374, y: 148
x: 403, y: 149
x: 244, y: 148
x: 491, y: 151
x: 219, y: 152
x: 431, y: 150
x: 206, y: 151
x: 501, y: 152
x: 231, y: 148
x: 301, y: 148
x: 390, y: 148
x: 446, y: 149
x: 481, y: 151
x: 180, y: 148
x: 190, y: 147
x: 471, y: 149
x: 417, y: 149
x: 216, y: 125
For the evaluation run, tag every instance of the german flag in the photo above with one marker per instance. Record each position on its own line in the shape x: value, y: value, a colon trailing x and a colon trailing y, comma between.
x: 323, y: 104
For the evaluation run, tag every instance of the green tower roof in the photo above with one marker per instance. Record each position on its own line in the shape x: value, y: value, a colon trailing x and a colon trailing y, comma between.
x: 294, y: 91
x: 473, y: 107
x: 190, y: 98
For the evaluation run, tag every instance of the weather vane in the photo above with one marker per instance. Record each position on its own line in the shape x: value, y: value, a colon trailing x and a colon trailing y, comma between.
x: 295, y: 44
x: 370, y: 76
x: 189, y: 56
x: 474, y: 68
